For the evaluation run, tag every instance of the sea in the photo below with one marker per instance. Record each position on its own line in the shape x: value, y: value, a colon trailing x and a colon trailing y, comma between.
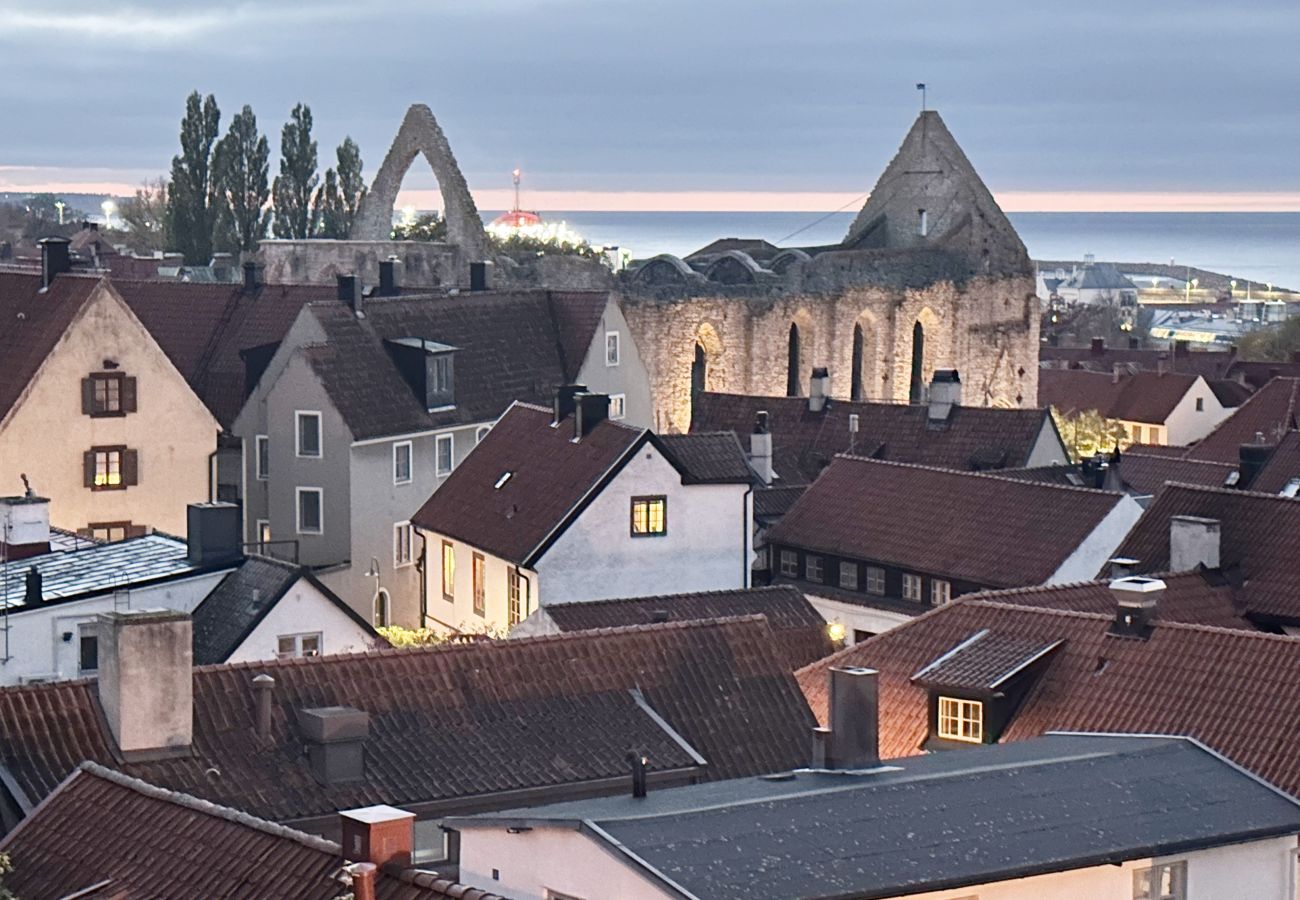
x: 1264, y: 247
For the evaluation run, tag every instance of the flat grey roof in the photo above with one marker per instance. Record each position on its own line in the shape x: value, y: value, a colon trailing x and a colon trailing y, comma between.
x: 945, y: 820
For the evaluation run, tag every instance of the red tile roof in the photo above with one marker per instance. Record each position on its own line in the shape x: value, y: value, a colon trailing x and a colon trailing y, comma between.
x: 1140, y: 397
x: 31, y: 323
x: 1232, y: 690
x: 970, y: 527
x: 450, y: 723
x: 1272, y: 411
x: 1283, y: 466
x: 100, y: 827
x: 1146, y: 473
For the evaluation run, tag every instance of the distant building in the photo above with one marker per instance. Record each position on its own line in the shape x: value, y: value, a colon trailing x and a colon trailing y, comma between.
x: 1092, y: 284
x: 1152, y: 407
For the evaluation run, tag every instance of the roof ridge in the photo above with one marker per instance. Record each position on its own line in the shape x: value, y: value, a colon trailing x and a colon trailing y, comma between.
x: 1219, y: 489
x: 758, y: 589
x: 1163, y: 623
x: 991, y: 474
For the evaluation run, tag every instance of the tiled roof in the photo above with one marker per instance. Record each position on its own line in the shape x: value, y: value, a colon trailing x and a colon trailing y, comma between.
x: 799, y: 630
x: 713, y: 458
x: 1272, y: 411
x: 985, y: 661
x: 1209, y: 364
x: 577, y: 315
x: 1146, y: 473
x: 138, y: 840
x: 1259, y: 536
x: 1064, y: 474
x: 1138, y: 397
x: 1100, y: 276
x: 1282, y: 468
x: 453, y: 722
x: 549, y: 475
x: 773, y: 502
x: 31, y: 323
x: 1229, y: 393
x: 804, y: 442
x: 1256, y: 374
x: 1232, y: 690
x: 971, y: 527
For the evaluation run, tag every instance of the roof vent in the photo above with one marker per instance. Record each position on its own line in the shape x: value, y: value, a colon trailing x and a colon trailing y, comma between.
x: 1136, y: 599
x: 501, y: 482
x: 336, y: 740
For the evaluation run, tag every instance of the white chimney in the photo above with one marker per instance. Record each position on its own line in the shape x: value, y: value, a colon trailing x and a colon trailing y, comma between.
x: 760, y: 448
x: 24, y: 525
x: 1193, y: 541
x: 146, y: 680
x: 817, y: 388
x: 1136, y: 600
x: 945, y: 394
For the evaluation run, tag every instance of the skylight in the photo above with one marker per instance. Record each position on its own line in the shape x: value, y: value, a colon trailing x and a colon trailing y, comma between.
x: 501, y: 482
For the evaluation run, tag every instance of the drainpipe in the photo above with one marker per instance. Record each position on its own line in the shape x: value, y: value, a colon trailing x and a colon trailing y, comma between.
x: 212, y: 474
x: 424, y: 582
x: 747, y: 526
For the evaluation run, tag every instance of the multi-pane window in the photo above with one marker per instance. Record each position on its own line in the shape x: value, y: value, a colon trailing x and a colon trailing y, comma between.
x: 961, y: 720
x: 812, y: 566
x: 311, y: 514
x: 111, y: 468
x: 517, y: 598
x: 618, y: 406
x: 649, y: 516
x: 940, y: 591
x: 441, y: 376
x: 1167, y: 881
x: 875, y: 580
x: 611, y: 348
x: 308, y: 428
x: 911, y: 587
x: 790, y: 563
x: 263, y: 445
x: 448, y: 571
x: 480, y: 589
x: 443, y: 447
x: 849, y: 576
x: 110, y: 532
x: 106, y: 394
x: 402, y: 462
x: 402, y: 544
x: 289, y: 646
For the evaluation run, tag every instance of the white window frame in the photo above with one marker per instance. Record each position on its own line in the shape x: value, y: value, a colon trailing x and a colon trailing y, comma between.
x: 819, y: 565
x: 437, y: 453
x: 298, y: 416
x: 851, y: 568
x: 480, y: 433
x: 791, y: 556
x: 297, y: 508
x: 618, y: 406
x: 263, y: 526
x: 402, y: 531
x: 911, y: 580
x: 1145, y: 886
x: 260, y: 442
x: 960, y: 713
x: 940, y: 592
x: 382, y: 603
x: 297, y: 652
x: 874, y: 581
x: 617, y: 346
x: 410, y: 462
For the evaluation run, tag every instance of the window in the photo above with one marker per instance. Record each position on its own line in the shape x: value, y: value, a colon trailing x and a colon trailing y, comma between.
x: 481, y: 433
x: 402, y: 462
x: 1167, y: 881
x: 961, y: 720
x: 617, y: 406
x: 308, y: 433
x: 911, y: 587
x: 875, y: 580
x: 113, y: 531
x: 940, y: 592
x: 517, y: 607
x: 1137, y: 433
x: 480, y: 575
x: 87, y: 649
x: 311, y: 503
x: 448, y: 571
x: 1200, y: 404
x: 442, y: 451
x: 402, y: 544
x: 812, y: 567
x: 264, y: 531
x: 290, y: 646
x: 849, y: 576
x: 611, y: 348
x: 111, y: 468
x: 649, y: 516
x: 440, y: 376
x: 790, y: 563
x: 107, y: 394
x: 263, y: 445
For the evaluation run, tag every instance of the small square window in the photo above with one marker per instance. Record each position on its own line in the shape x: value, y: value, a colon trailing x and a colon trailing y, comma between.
x: 444, y: 454
x: 402, y: 462
x: 875, y: 580
x: 813, y: 568
x: 617, y: 406
x: 911, y: 587
x: 402, y: 544
x: 611, y: 348
x: 108, y: 394
x: 790, y: 563
x: 263, y: 446
x: 849, y: 576
x: 649, y: 516
x: 308, y: 429
x: 311, y: 505
x: 940, y: 592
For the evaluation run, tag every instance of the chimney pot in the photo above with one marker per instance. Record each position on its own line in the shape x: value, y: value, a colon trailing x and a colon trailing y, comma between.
x: 24, y: 525
x: 591, y: 410
x: 250, y: 277
x: 1136, y: 599
x: 854, y: 727
x: 760, y: 448
x: 388, y: 277
x: 1193, y: 541
x: 817, y: 388
x: 945, y: 394
x: 1123, y: 566
x: 145, y: 679
x: 363, y: 880
x: 638, y: 762
x: 263, y: 686
x: 336, y: 739
x: 378, y: 834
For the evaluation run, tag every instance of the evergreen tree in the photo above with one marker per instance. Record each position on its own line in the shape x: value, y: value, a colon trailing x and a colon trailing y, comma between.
x: 335, y: 205
x: 241, y: 163
x: 297, y: 181
x: 191, y: 206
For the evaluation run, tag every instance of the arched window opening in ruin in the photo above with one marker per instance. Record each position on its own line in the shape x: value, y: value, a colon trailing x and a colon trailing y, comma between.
x: 792, y: 379
x: 856, y: 392
x: 917, y: 393
x: 699, y: 374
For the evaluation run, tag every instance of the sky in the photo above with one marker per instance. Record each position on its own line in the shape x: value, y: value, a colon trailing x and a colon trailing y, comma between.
x: 613, y: 104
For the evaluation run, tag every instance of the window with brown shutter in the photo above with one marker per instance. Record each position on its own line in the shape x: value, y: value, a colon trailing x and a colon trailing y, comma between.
x: 110, y: 468
x: 107, y: 394
x: 128, y: 395
x: 131, y: 467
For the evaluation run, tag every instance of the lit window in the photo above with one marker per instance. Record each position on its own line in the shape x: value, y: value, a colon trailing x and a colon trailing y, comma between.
x: 109, y: 468
x: 875, y: 580
x: 649, y: 516
x: 448, y: 571
x: 291, y: 646
x: 480, y: 589
x: 402, y: 463
x: 1167, y: 881
x: 308, y: 433
x: 517, y: 608
x: 940, y: 592
x: 263, y: 444
x: 402, y: 544
x: 1137, y: 433
x: 911, y: 587
x: 617, y: 406
x: 443, y: 447
x: 611, y: 348
x: 310, y: 510
x: 849, y: 576
x: 790, y: 563
x: 961, y: 720
x: 813, y: 568
x: 263, y: 531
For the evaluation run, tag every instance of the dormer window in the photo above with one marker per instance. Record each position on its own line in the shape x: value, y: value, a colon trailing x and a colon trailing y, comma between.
x: 961, y: 720
x: 428, y: 367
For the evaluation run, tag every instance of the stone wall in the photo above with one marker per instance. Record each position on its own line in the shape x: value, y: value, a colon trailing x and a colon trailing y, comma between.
x: 420, y: 263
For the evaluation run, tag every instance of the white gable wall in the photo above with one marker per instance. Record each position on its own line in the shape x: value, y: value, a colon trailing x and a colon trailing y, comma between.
x: 1091, y: 556
x: 303, y: 610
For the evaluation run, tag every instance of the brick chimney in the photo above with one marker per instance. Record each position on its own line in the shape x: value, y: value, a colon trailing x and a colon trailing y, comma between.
x: 852, y: 740
x: 378, y: 834
x: 819, y: 384
x: 1136, y: 599
x: 1193, y: 541
x: 24, y: 525
x: 145, y: 680
x: 760, y: 448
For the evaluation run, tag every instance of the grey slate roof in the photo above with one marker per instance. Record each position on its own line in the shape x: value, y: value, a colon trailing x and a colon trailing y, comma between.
x: 710, y: 458
x: 1100, y: 277
x: 1056, y: 803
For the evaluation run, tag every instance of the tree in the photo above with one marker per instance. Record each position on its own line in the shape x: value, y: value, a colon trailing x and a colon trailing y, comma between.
x: 428, y: 227
x: 191, y: 206
x: 242, y: 161
x: 1275, y: 343
x: 1087, y: 432
x: 336, y: 203
x: 145, y: 216
x: 327, y: 213
x: 5, y: 868
x: 297, y: 181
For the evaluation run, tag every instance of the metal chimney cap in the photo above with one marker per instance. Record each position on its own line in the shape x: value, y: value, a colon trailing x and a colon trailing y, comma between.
x: 263, y: 681
x: 1137, y: 590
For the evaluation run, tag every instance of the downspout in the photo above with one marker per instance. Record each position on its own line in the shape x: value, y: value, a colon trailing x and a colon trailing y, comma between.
x: 212, y: 474
x: 424, y: 581
x: 746, y: 526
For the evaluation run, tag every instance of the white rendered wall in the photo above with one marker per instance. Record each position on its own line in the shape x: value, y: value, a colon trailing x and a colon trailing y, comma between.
x: 1098, y: 547
x: 857, y: 618
x: 458, y: 613
x: 303, y: 610
x: 1185, y: 425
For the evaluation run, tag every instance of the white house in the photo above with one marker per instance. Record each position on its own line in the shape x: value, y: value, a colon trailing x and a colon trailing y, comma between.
x: 1153, y: 407
x: 564, y: 505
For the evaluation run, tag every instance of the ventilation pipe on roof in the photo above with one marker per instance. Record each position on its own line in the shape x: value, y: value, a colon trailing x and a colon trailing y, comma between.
x: 362, y: 876
x: 817, y: 388
x: 263, y: 686
x: 638, y: 762
x: 1251, y: 460
x: 760, y: 448
x: 1193, y: 541
x: 33, y: 590
x: 55, y: 259
x: 853, y: 738
x: 1136, y: 600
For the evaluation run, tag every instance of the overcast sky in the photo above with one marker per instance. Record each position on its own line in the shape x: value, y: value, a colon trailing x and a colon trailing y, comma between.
x: 703, y: 96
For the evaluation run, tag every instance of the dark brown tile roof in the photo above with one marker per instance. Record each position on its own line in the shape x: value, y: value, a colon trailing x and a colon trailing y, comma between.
x: 145, y: 841
x: 1272, y: 411
x: 1229, y: 393
x: 450, y: 723
x: 549, y: 477
x: 1283, y: 466
x: 32, y: 322
x: 771, y: 503
x: 1065, y: 474
x: 984, y: 661
x: 1232, y: 690
x: 1258, y: 374
x: 1146, y: 473
x: 970, y: 527
x: 713, y: 458
x: 1209, y: 364
x: 1259, y: 537
x: 804, y: 442
x: 1139, y: 397
x: 799, y: 630
x: 577, y: 315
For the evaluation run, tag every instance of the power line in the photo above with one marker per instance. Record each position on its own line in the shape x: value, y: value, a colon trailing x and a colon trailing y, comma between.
x: 818, y: 221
